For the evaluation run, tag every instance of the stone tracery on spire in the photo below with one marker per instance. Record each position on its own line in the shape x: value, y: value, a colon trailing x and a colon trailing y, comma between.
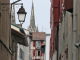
x: 32, y: 26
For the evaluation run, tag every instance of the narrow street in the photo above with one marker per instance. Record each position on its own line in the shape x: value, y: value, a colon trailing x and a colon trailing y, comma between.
x: 39, y: 30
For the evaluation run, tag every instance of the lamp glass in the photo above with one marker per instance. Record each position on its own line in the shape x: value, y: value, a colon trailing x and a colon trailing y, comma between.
x: 21, y: 17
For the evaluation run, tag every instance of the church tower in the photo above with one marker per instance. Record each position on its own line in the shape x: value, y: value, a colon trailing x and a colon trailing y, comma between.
x: 32, y: 27
x: 13, y: 15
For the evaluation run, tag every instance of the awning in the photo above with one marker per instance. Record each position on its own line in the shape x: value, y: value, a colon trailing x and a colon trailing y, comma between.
x: 43, y: 48
x: 19, y: 35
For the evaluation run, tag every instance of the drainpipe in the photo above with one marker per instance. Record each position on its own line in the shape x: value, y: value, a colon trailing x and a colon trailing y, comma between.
x: 74, y: 29
x: 12, y: 51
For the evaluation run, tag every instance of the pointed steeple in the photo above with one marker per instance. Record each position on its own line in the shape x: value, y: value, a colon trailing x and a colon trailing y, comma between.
x: 13, y: 15
x: 32, y: 27
x: 32, y: 19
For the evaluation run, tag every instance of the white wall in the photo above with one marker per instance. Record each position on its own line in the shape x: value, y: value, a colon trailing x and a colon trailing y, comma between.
x: 47, y: 46
x: 24, y: 49
x: 18, y: 52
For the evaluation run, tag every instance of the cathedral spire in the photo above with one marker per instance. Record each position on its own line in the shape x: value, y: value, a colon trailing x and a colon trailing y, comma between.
x: 32, y: 27
x: 32, y: 19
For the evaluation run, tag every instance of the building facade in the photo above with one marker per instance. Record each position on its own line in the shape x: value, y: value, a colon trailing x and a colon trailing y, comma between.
x: 67, y: 30
x: 54, y: 24
x: 4, y: 33
x: 38, y: 38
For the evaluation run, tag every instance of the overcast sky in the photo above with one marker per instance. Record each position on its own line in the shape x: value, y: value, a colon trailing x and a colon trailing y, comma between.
x: 41, y: 12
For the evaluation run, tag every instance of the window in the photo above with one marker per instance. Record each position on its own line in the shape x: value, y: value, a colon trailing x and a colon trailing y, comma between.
x: 37, y: 44
x: 37, y: 52
x: 21, y: 54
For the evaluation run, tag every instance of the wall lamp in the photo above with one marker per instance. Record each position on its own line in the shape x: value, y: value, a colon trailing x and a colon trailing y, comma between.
x: 21, y: 14
x: 77, y: 45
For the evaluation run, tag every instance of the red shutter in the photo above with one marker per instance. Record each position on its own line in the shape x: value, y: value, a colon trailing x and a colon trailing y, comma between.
x: 68, y: 4
x: 41, y: 44
x: 34, y: 43
x: 56, y: 12
x: 33, y: 52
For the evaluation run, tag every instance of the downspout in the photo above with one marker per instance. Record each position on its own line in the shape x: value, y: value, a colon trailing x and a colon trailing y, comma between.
x: 10, y: 30
x: 74, y: 29
x: 12, y: 51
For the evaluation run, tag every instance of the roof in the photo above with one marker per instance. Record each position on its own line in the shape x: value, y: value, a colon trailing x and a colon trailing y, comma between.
x: 38, y: 35
x: 19, y: 35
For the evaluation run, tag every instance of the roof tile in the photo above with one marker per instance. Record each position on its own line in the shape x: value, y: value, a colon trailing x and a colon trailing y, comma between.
x: 38, y: 35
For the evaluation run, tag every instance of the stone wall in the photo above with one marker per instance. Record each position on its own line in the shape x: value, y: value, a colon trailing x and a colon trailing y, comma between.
x: 5, y: 54
x: 65, y: 36
x: 5, y: 23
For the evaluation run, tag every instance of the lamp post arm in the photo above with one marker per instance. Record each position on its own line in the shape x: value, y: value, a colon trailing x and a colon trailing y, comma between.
x: 10, y: 3
x: 15, y: 2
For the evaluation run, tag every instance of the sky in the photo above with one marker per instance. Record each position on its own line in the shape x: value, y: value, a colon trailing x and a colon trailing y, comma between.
x: 41, y: 13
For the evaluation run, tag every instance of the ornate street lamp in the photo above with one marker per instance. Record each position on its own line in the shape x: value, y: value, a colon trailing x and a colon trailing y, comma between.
x: 21, y: 14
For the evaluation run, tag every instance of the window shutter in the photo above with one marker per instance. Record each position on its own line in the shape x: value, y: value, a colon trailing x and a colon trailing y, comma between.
x: 33, y: 43
x: 41, y: 42
x: 33, y: 52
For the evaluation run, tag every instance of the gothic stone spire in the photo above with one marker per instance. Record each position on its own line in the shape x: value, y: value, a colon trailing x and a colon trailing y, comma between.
x: 32, y: 19
x: 32, y: 27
